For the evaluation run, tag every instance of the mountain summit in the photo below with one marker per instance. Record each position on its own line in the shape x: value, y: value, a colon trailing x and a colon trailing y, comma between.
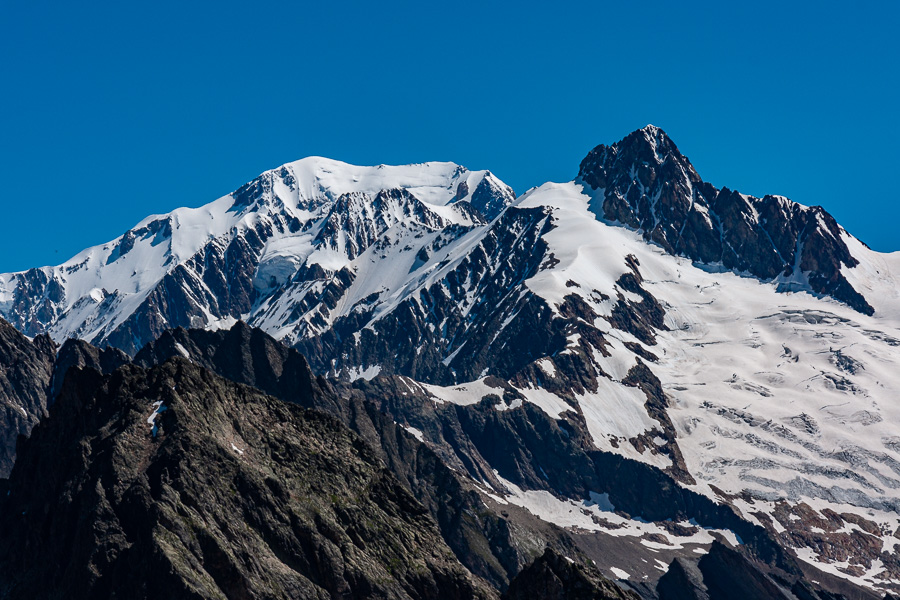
x: 646, y: 183
x: 215, y: 264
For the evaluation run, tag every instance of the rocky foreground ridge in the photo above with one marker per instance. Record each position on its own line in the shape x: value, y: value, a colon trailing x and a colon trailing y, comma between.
x: 162, y: 477
x: 175, y: 483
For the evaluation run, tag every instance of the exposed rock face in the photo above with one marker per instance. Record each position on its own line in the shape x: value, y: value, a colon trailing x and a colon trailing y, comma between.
x: 176, y: 483
x: 481, y: 539
x: 834, y: 538
x: 553, y: 577
x: 491, y: 196
x: 26, y: 367
x: 683, y: 581
x: 31, y: 373
x: 78, y: 353
x: 470, y: 306
x: 725, y: 574
x: 645, y: 182
x: 249, y: 356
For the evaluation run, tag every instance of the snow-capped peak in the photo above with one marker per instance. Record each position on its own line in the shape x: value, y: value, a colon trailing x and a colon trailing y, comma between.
x: 279, y: 213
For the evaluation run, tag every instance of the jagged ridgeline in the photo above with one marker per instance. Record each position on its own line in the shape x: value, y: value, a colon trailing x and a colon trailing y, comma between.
x: 220, y: 492
x: 631, y: 383
x: 282, y: 251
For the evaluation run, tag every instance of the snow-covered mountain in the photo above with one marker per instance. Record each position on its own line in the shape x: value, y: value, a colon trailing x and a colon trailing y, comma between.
x: 209, y: 266
x: 747, y: 347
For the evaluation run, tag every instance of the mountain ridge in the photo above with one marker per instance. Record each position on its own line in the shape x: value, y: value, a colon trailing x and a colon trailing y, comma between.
x: 136, y: 463
x: 642, y: 342
x: 772, y: 237
x: 758, y: 236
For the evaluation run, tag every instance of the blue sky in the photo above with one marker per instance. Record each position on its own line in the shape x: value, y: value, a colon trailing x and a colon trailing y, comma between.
x: 112, y: 111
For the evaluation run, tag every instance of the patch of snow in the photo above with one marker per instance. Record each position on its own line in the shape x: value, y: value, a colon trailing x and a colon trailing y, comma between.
x: 369, y: 373
x: 417, y: 433
x: 158, y: 408
x: 597, y: 514
x: 547, y: 367
x: 463, y: 394
x: 548, y: 402
x: 516, y: 403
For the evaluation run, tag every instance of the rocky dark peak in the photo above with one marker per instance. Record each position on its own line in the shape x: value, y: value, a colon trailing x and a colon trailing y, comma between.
x: 644, y: 182
x: 555, y: 577
x: 480, y: 539
x: 490, y: 197
x: 31, y: 374
x: 643, y: 157
x: 26, y: 367
x: 78, y: 353
x: 173, y: 482
x: 245, y: 355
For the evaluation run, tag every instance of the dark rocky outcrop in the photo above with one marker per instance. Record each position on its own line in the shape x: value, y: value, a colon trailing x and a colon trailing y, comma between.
x: 646, y: 183
x: 555, y: 577
x: 26, y: 367
x: 176, y: 483
x: 728, y: 574
x: 481, y: 539
x: 491, y: 197
x: 31, y: 373
x: 78, y: 353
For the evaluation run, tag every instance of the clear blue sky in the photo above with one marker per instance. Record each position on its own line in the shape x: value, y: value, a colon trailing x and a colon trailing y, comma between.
x: 110, y: 111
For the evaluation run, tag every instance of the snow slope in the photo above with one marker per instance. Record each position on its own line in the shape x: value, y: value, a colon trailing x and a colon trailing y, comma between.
x: 785, y: 396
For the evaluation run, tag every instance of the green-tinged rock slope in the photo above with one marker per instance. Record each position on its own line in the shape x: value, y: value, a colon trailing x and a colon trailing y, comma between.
x: 175, y: 483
